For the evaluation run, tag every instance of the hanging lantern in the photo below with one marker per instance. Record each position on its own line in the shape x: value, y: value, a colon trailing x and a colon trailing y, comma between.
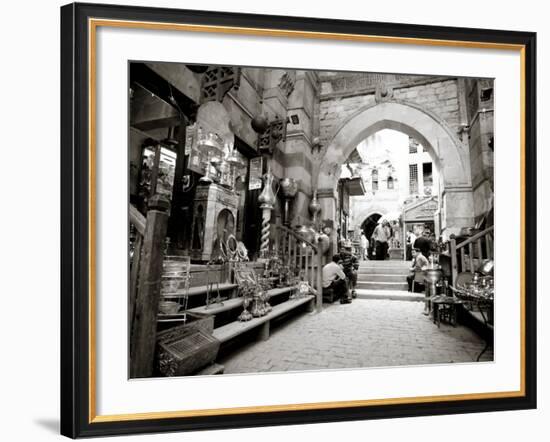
x: 259, y: 124
x: 324, y: 242
x: 197, y: 68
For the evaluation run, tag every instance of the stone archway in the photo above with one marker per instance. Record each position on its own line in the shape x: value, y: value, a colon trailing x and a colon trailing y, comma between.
x: 369, y: 223
x: 450, y: 156
x: 367, y: 227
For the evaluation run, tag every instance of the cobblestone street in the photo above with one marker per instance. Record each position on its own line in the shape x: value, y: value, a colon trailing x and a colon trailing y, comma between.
x: 367, y: 333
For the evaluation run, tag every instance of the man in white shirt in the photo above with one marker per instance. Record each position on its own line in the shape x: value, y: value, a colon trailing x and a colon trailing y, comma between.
x: 334, y: 278
x: 381, y: 242
x: 364, y: 246
x: 411, y: 238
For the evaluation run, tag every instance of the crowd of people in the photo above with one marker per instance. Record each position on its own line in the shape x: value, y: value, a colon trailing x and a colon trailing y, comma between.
x: 340, y: 275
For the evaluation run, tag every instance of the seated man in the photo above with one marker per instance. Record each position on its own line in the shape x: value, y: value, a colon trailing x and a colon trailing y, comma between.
x: 350, y: 263
x: 418, y: 264
x: 335, y: 279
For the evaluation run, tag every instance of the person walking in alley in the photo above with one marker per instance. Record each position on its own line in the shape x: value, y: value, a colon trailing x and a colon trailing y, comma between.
x: 381, y: 242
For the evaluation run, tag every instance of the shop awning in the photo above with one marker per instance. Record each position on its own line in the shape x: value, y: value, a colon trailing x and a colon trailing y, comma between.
x: 354, y: 185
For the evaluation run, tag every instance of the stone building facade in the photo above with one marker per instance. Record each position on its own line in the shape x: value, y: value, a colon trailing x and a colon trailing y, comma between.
x: 324, y: 116
x: 450, y: 117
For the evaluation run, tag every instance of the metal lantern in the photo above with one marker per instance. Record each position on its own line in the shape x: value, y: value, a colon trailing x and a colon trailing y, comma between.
x: 487, y: 267
x: 211, y: 145
x: 259, y: 124
x: 197, y: 68
x: 210, y: 142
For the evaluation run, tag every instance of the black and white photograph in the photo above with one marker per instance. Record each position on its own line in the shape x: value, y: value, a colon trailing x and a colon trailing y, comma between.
x: 287, y: 220
x: 274, y: 221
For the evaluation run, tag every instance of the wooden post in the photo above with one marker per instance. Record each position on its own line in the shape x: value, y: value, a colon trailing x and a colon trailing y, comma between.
x: 310, y: 307
x: 263, y: 333
x: 134, y: 279
x: 144, y: 331
x: 319, y: 277
x: 454, y: 264
x: 488, y: 240
x: 138, y: 221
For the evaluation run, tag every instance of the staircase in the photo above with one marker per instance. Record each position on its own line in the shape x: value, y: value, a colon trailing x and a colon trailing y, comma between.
x: 383, y: 275
x: 385, y: 280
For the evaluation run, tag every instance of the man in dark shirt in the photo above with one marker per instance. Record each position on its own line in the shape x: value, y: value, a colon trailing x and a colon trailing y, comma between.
x: 350, y: 264
x: 423, y: 243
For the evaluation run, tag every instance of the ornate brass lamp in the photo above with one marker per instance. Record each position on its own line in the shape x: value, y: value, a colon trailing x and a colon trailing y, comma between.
x: 315, y: 210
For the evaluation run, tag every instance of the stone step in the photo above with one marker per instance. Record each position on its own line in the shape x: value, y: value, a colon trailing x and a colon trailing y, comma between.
x: 393, y: 295
x: 382, y: 285
x: 386, y: 263
x: 383, y: 271
x: 376, y: 277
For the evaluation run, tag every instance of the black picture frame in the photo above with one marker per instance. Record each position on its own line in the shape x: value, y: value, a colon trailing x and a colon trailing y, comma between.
x: 77, y: 418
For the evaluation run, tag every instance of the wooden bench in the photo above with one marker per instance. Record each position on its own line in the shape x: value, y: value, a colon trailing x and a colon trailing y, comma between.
x: 200, y: 290
x: 219, y: 307
x: 234, y: 329
x: 230, y: 304
x: 211, y: 370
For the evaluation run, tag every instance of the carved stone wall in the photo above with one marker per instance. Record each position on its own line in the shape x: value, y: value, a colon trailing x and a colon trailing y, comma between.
x: 343, y: 96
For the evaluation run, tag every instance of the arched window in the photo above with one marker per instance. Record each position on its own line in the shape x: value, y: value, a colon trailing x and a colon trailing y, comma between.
x: 390, y: 182
x: 374, y: 176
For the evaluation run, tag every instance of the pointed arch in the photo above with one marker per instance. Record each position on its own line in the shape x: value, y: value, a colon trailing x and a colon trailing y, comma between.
x: 449, y: 155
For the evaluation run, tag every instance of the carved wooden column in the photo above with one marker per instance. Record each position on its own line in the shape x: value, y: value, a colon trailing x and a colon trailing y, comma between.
x: 144, y: 329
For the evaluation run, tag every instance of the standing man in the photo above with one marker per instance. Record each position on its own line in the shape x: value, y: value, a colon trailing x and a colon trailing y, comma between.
x: 380, y: 242
x: 389, y: 234
x: 364, y: 246
x: 334, y: 278
x: 411, y: 238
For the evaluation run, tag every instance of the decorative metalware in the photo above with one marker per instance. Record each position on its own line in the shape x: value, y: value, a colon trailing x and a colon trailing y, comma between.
x: 259, y: 124
x: 267, y: 201
x: 245, y: 315
x: 323, y: 241
x: 211, y: 145
x: 289, y: 188
x: 306, y: 232
x: 315, y: 208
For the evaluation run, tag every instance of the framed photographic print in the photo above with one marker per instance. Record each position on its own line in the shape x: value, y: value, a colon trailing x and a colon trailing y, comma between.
x: 274, y: 220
